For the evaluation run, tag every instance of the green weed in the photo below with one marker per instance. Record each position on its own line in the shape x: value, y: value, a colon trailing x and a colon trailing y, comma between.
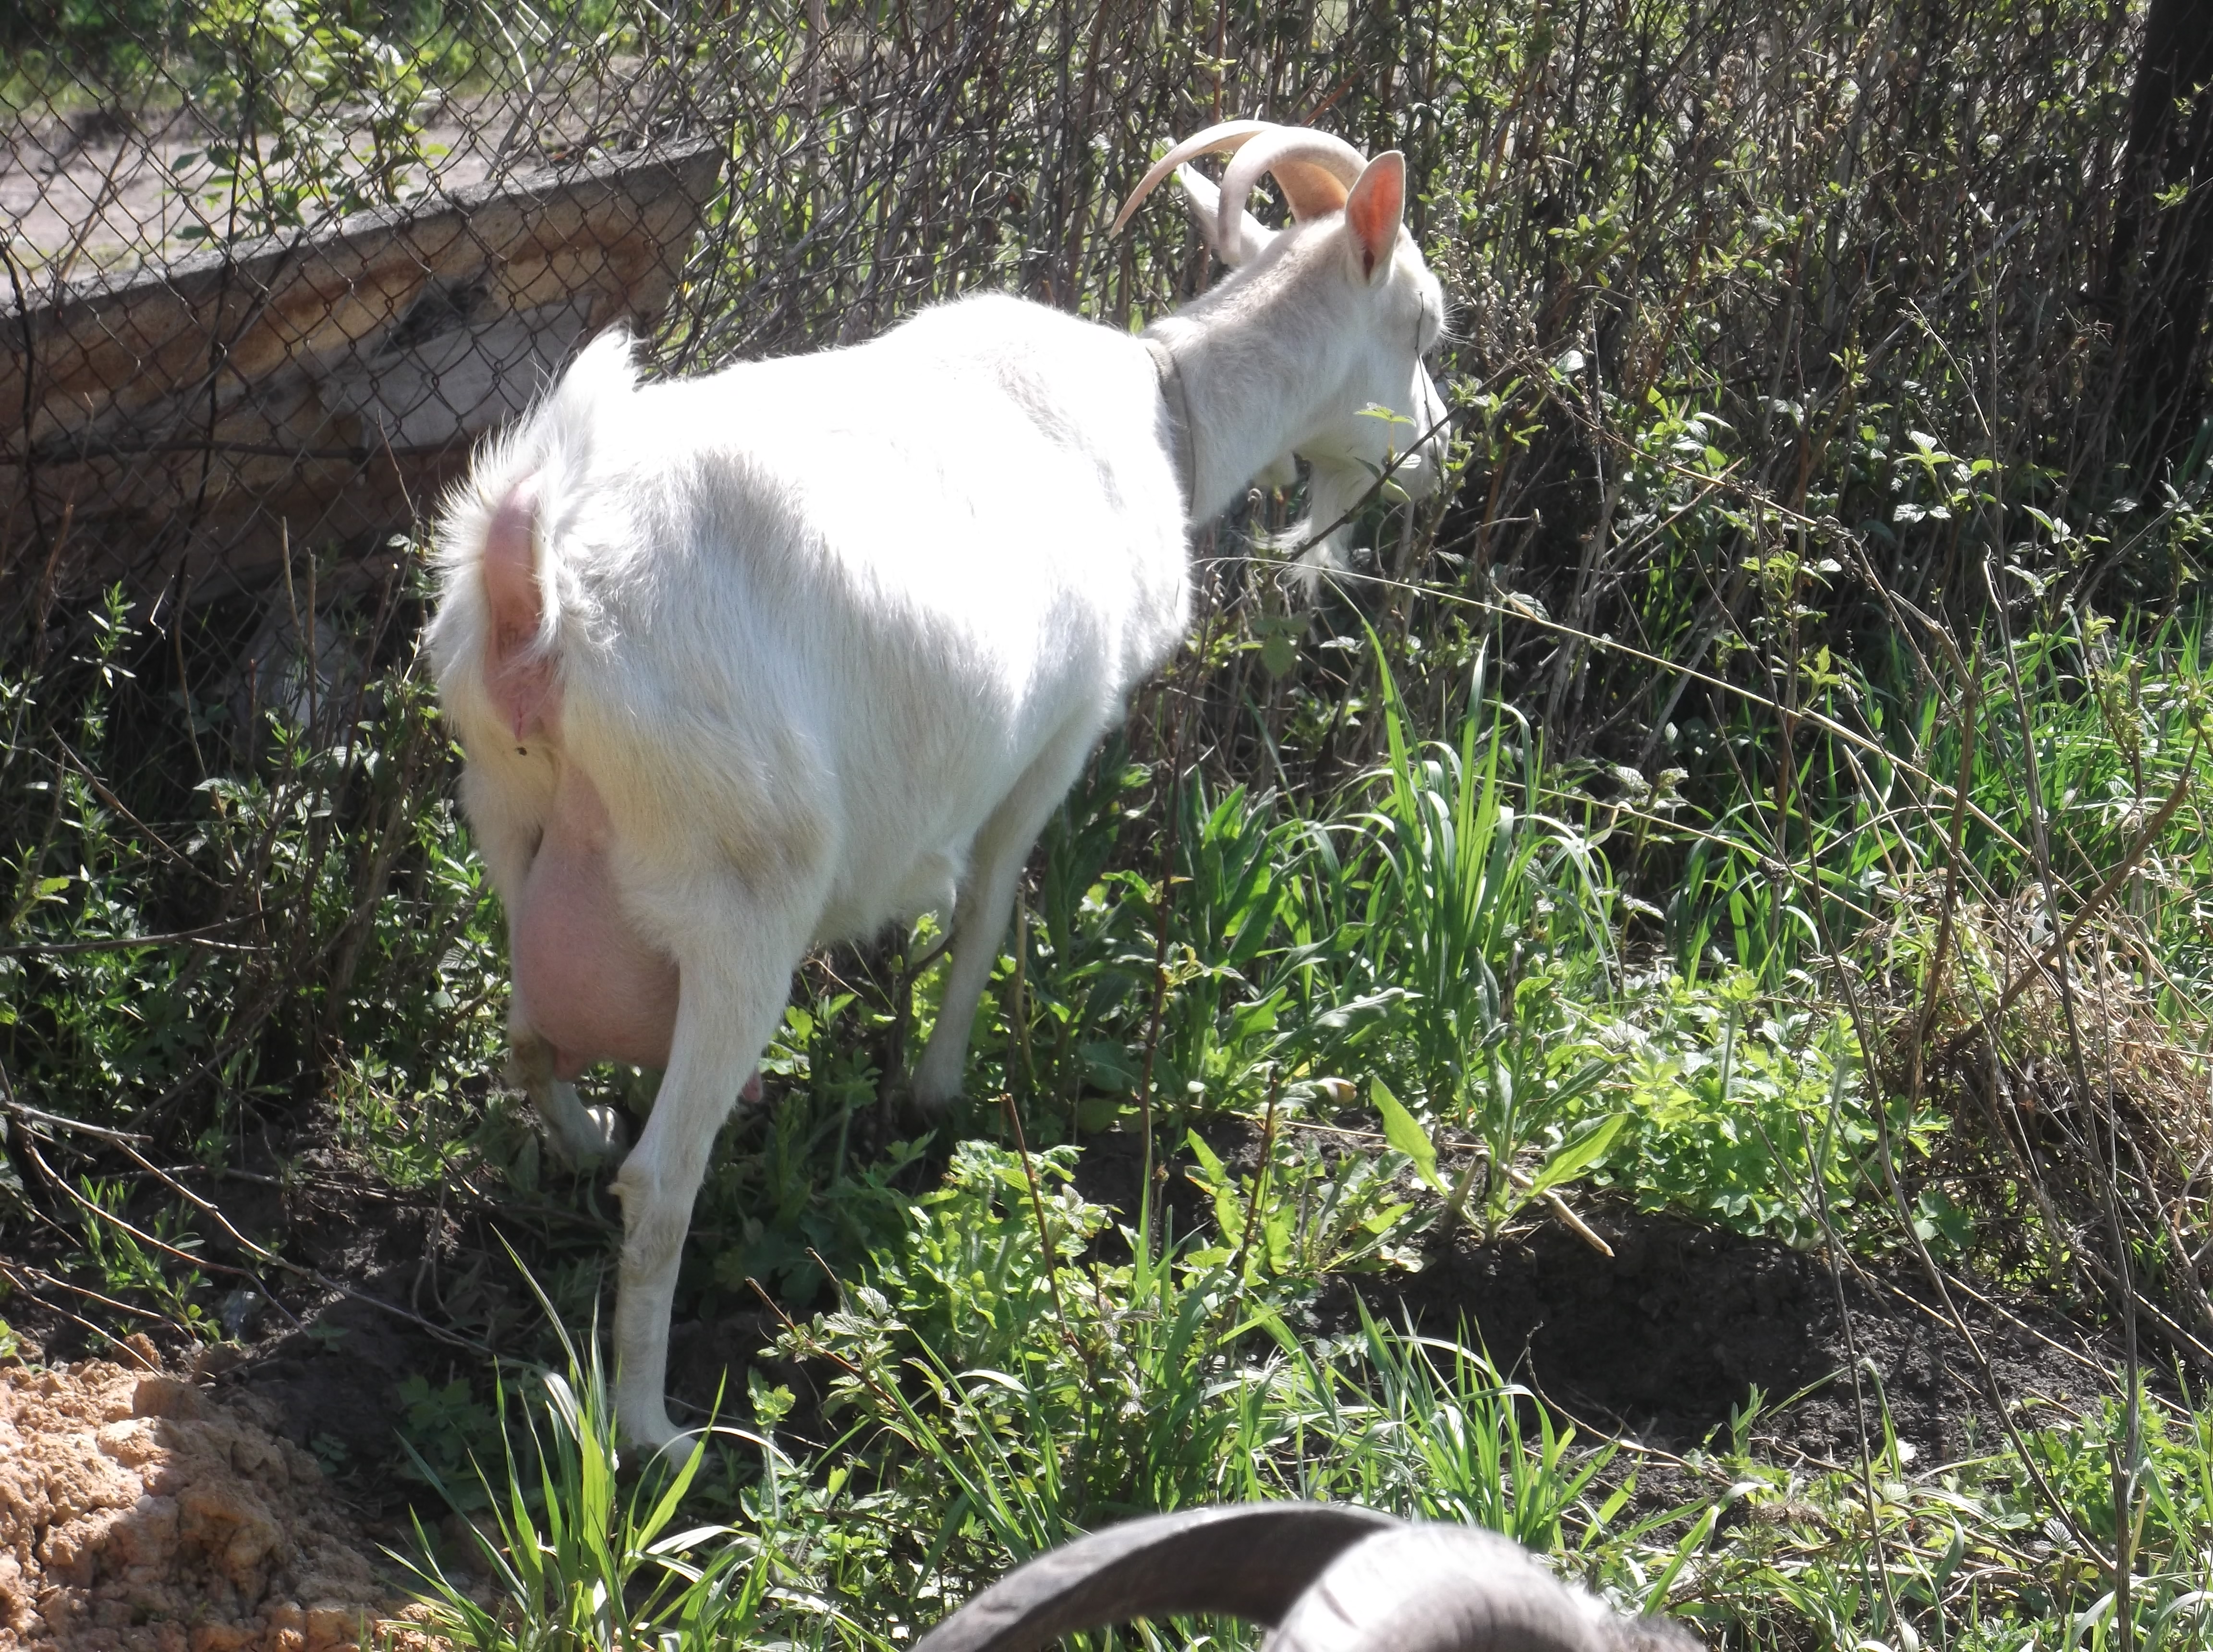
x: 154, y: 1263
x: 1764, y: 784
x: 578, y: 1561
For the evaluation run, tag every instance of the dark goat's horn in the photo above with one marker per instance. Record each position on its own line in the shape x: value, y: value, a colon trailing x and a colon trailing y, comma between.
x: 1250, y: 1562
x: 1450, y: 1588
x: 1331, y: 1578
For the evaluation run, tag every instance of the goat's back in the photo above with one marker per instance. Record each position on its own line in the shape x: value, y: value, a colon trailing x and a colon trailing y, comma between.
x: 816, y: 616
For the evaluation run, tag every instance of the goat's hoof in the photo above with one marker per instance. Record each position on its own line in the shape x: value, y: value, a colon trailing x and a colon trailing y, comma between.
x: 930, y: 1089
x: 648, y: 1428
x: 918, y: 1096
x: 924, y: 1114
x: 599, y: 1146
x: 610, y: 1138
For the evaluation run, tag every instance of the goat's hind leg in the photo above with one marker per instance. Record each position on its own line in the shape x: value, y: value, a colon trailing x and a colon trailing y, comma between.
x: 582, y: 1137
x: 986, y: 901
x: 730, y: 998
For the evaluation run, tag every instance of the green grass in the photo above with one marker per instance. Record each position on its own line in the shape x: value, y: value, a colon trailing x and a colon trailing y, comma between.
x: 984, y: 1413
x: 1456, y: 939
x: 1677, y: 813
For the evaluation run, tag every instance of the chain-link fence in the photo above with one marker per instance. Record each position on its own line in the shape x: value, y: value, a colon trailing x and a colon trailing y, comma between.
x: 271, y: 267
x: 271, y: 271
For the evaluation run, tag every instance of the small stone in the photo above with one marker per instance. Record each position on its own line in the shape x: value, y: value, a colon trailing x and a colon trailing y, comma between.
x: 331, y: 1627
x: 140, y: 1347
x: 165, y: 1396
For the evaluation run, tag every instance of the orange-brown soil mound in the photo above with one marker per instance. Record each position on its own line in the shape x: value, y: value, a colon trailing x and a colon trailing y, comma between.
x: 137, y: 1515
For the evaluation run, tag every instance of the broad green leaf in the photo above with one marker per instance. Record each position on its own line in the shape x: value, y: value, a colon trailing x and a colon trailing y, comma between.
x: 1578, y: 1155
x: 1209, y: 1160
x: 1404, y: 1131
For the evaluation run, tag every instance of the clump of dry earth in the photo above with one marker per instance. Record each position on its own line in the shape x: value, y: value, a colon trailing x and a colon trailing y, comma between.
x: 138, y: 1514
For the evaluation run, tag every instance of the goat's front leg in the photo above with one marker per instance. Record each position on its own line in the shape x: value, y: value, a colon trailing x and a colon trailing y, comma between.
x: 728, y: 1006
x: 582, y: 1137
x: 986, y: 901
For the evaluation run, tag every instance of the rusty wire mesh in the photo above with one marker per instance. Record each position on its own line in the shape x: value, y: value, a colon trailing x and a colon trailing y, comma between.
x: 271, y: 269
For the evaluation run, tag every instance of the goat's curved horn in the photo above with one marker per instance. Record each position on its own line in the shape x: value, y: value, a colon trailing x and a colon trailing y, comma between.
x: 1229, y: 134
x: 1250, y: 1562
x: 1316, y: 170
x: 1447, y: 1588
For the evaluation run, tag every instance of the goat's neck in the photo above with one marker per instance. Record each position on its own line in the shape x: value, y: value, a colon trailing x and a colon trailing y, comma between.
x: 1256, y: 380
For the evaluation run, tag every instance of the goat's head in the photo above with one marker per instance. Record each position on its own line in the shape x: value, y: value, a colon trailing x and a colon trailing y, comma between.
x: 1352, y: 288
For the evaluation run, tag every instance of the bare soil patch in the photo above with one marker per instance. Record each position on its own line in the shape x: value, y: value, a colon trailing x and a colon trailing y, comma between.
x: 1662, y: 1341
x: 140, y: 1513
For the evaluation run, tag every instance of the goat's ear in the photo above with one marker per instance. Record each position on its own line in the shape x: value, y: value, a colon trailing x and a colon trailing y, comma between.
x: 1203, y: 197
x: 1373, y: 211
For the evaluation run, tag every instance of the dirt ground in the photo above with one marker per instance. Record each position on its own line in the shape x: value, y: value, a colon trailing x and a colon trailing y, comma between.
x: 1661, y: 1341
x: 189, y: 1511
x: 138, y: 1513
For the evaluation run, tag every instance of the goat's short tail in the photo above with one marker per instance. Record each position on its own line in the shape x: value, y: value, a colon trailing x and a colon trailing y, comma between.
x: 518, y: 666
x: 500, y: 532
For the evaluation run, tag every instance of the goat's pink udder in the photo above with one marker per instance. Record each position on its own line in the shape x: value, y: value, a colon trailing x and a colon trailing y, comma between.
x: 585, y: 980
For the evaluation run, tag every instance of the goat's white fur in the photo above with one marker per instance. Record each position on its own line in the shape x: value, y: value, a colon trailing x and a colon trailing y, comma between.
x: 833, y: 635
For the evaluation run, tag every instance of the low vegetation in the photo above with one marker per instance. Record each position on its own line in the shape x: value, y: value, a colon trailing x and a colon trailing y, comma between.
x: 1763, y: 789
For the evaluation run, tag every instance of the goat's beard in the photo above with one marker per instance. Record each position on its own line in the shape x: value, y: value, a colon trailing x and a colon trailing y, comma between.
x: 1320, y: 543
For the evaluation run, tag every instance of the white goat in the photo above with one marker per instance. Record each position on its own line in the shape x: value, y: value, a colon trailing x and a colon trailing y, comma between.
x: 746, y: 663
